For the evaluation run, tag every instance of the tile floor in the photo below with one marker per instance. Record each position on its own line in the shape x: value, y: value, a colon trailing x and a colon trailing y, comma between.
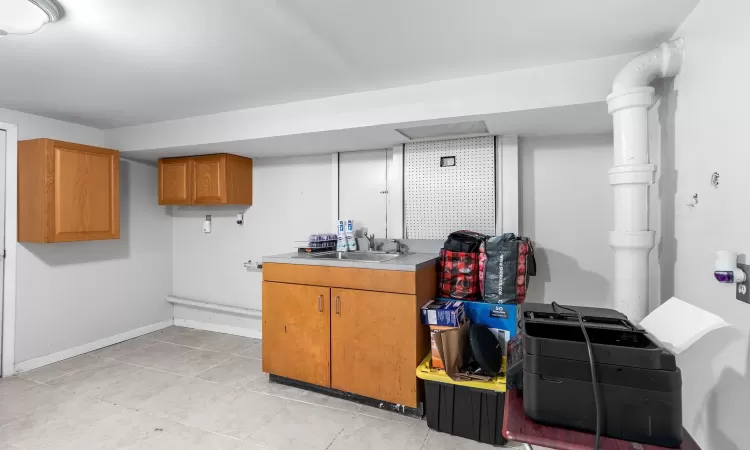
x: 187, y: 389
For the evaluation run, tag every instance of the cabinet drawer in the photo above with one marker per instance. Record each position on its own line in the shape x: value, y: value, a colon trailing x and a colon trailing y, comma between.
x: 344, y: 277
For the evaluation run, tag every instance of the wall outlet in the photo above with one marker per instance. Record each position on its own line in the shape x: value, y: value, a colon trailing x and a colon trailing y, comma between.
x: 207, y: 224
x: 743, y: 289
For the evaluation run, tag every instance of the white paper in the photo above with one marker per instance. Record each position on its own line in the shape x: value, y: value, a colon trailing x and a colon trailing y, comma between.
x: 678, y: 324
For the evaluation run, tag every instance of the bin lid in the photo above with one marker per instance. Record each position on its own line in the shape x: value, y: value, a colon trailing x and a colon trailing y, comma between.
x: 426, y: 372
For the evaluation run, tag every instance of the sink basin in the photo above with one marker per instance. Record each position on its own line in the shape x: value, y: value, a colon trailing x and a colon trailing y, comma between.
x: 360, y: 256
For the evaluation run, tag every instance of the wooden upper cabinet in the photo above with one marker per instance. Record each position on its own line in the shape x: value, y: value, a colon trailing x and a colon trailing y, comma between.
x: 219, y: 179
x: 174, y: 181
x: 210, y: 180
x: 67, y: 192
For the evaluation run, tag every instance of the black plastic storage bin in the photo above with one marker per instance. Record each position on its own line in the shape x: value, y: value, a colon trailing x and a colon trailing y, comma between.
x: 638, y: 381
x: 468, y: 412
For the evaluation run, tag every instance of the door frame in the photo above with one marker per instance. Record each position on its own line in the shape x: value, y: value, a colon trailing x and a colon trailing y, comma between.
x: 11, y: 232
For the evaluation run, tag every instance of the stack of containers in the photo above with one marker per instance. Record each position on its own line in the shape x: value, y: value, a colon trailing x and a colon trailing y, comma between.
x: 323, y: 242
x: 486, y: 277
x: 469, y: 409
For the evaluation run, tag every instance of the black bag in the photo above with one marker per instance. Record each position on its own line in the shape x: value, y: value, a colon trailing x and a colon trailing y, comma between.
x: 510, y: 262
x: 464, y: 241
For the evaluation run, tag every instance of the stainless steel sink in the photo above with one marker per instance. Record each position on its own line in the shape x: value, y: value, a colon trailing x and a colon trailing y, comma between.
x: 360, y: 256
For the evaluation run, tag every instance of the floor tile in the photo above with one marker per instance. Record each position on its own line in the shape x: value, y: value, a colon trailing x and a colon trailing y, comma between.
x: 237, y: 372
x: 262, y: 385
x: 13, y: 385
x: 302, y: 426
x: 123, y: 347
x: 250, y: 446
x: 237, y: 415
x: 390, y: 415
x: 153, y: 354
x: 43, y: 428
x: 58, y: 369
x: 167, y: 333
x: 443, y: 441
x: 193, y: 338
x: 132, y: 391
x: 192, y: 362
x: 185, y: 398
x: 120, y: 431
x: 228, y: 343
x: 256, y: 351
x: 178, y: 437
x: 329, y: 401
x: 370, y: 433
x: 95, y: 377
x: 24, y: 397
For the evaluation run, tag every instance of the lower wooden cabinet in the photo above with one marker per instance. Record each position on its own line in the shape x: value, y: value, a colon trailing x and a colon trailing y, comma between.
x: 347, y: 337
x: 370, y: 351
x: 297, y: 332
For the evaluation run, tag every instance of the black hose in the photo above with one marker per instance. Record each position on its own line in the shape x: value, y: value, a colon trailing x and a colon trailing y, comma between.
x: 593, y: 373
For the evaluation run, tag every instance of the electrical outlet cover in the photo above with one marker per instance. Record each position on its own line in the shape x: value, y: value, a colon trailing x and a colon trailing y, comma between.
x: 743, y: 289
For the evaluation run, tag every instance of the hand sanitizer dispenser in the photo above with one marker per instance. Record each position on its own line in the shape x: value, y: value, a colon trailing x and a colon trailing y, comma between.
x: 726, y: 268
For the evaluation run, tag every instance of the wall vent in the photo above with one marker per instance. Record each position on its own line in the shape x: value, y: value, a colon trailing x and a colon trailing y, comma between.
x: 477, y: 127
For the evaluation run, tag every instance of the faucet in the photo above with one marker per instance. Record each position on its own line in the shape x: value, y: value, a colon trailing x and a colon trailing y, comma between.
x: 399, y: 246
x: 370, y: 241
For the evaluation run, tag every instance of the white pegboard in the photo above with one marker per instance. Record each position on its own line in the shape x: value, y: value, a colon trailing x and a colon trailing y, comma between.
x: 439, y: 200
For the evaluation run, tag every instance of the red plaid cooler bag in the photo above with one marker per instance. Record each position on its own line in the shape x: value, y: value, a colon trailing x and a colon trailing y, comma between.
x: 460, y: 261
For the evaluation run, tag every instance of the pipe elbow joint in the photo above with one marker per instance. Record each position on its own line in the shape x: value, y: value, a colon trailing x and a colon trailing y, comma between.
x: 663, y: 61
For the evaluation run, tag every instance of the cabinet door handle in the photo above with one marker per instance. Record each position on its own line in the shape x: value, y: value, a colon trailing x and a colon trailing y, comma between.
x: 320, y: 303
x: 337, y: 304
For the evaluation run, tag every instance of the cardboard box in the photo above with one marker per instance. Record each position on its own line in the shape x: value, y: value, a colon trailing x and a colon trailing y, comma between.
x: 443, y: 313
x: 501, y: 319
x: 437, y: 361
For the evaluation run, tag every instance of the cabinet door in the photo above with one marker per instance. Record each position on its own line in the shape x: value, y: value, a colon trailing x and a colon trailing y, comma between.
x: 210, y: 179
x: 174, y: 181
x: 373, y: 345
x: 297, y: 332
x: 86, y: 193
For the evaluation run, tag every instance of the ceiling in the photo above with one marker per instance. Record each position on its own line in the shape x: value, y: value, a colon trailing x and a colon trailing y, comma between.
x: 589, y: 118
x: 115, y: 63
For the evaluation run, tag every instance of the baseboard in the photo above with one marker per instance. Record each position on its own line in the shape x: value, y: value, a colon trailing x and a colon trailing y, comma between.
x: 228, y: 329
x: 45, y: 360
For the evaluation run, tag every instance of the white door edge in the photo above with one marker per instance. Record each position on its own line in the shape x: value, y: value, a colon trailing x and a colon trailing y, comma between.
x: 9, y: 265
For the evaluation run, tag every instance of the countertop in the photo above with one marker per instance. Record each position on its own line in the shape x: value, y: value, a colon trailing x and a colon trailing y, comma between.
x: 408, y: 263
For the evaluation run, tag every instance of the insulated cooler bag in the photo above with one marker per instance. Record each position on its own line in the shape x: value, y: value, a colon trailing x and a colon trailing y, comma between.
x: 460, y: 260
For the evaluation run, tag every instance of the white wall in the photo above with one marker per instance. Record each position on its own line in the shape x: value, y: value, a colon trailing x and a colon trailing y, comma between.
x: 704, y: 122
x: 71, y: 294
x: 566, y: 209
x: 291, y: 200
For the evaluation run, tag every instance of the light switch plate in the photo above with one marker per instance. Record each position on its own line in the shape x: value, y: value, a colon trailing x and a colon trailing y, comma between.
x: 743, y: 289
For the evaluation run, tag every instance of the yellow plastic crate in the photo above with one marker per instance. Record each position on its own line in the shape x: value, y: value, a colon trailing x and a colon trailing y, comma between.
x: 425, y: 372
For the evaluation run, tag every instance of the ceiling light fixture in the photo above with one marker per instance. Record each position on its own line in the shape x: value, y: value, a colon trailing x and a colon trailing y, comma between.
x: 27, y: 16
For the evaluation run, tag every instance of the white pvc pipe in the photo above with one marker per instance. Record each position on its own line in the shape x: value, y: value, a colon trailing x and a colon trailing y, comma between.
x: 632, y: 174
x: 213, y: 306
